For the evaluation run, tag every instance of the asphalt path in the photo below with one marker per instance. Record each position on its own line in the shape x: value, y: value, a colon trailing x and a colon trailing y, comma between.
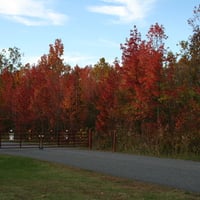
x: 179, y: 174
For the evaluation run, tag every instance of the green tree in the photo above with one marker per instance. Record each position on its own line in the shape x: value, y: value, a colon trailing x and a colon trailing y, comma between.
x: 10, y: 59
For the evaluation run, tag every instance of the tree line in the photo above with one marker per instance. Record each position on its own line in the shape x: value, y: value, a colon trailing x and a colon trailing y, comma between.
x: 151, y: 98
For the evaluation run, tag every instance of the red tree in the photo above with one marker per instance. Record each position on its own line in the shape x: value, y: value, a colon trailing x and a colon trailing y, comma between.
x: 142, y: 73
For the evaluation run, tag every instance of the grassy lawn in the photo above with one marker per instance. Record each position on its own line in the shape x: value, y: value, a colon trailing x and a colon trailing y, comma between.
x: 28, y: 179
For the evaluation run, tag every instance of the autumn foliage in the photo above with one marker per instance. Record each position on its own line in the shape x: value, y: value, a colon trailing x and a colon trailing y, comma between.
x: 151, y: 98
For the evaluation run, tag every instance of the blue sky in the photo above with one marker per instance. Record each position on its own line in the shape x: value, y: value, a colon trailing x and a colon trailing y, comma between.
x: 89, y: 29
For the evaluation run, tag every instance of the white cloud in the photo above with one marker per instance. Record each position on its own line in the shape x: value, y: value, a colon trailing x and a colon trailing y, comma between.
x: 31, y: 12
x: 75, y: 58
x: 30, y: 59
x: 127, y: 11
x: 72, y: 59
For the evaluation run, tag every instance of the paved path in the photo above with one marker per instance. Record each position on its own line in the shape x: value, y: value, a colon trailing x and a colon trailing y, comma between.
x: 170, y: 172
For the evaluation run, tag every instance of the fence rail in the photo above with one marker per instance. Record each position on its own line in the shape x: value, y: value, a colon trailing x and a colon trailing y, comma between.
x: 48, y: 139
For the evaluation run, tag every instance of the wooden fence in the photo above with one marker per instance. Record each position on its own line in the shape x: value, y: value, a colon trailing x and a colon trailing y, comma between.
x: 48, y: 139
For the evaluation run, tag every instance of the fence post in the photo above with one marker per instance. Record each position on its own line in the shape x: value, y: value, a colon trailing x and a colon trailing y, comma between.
x: 20, y: 138
x: 114, y: 141
x: 0, y: 139
x: 90, y: 139
x: 41, y: 137
x: 58, y: 137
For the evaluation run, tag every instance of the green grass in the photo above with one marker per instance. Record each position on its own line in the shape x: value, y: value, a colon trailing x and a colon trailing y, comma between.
x: 29, y: 179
